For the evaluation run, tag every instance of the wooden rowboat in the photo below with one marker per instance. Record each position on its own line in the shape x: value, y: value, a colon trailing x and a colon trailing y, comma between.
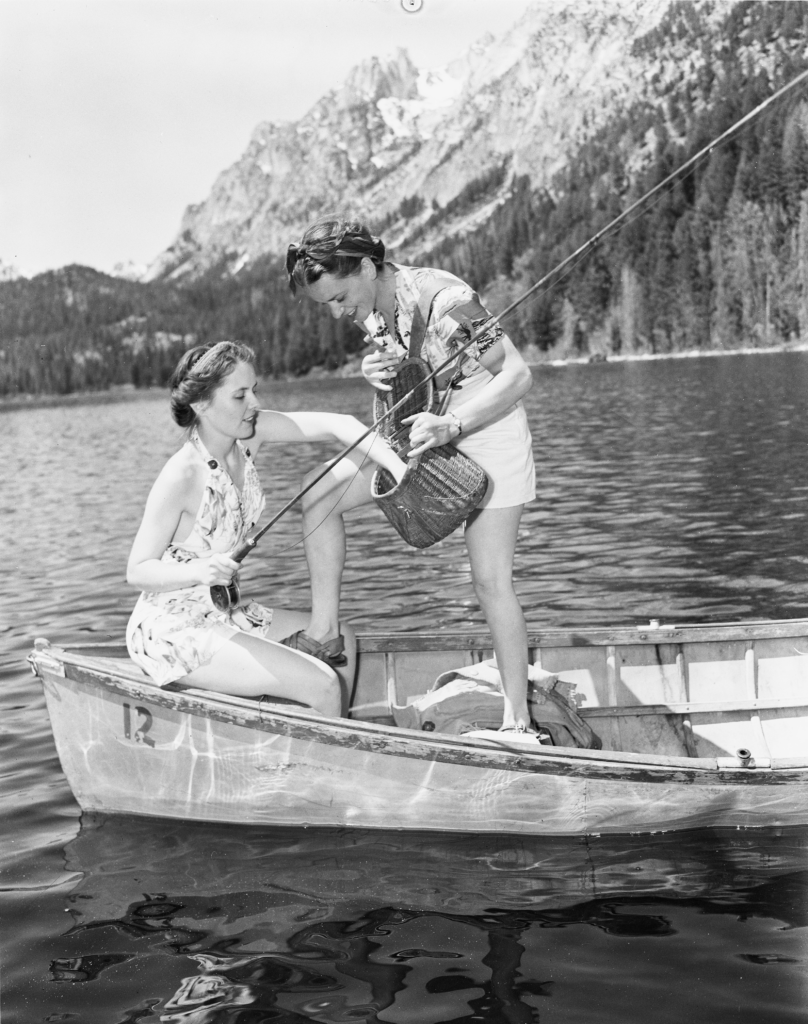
x: 702, y: 726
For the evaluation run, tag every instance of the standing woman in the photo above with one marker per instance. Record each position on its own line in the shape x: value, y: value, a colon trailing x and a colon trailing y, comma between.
x: 340, y: 264
x: 202, y: 505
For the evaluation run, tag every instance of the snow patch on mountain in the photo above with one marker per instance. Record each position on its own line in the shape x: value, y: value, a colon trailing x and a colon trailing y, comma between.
x: 395, y: 137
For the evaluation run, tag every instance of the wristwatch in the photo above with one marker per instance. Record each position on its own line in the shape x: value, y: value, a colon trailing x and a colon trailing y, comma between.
x: 456, y: 422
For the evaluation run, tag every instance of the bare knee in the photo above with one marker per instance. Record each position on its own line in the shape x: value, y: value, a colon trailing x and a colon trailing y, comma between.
x: 332, y: 700
x: 323, y: 694
x: 492, y: 587
x: 257, y: 666
x: 319, y: 491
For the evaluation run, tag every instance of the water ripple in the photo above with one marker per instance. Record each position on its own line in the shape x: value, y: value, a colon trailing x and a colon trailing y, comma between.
x: 666, y: 489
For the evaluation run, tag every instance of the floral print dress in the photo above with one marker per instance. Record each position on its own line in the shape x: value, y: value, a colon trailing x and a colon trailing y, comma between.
x: 173, y: 632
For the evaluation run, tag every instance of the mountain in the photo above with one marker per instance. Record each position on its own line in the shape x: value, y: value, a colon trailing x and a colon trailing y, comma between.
x: 496, y: 168
x: 396, y: 143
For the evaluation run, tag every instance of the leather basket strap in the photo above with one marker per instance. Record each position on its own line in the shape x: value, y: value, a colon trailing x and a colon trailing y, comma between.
x: 423, y: 311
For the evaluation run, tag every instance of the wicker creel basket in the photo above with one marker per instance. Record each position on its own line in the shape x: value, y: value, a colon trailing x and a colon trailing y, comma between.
x: 410, y: 383
x: 441, y: 487
x: 439, y: 491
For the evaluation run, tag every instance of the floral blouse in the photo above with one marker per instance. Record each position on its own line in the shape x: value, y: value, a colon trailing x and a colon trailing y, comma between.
x: 444, y: 334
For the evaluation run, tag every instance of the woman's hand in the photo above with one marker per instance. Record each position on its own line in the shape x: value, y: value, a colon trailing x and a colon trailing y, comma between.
x: 429, y: 431
x: 377, y: 367
x: 216, y: 571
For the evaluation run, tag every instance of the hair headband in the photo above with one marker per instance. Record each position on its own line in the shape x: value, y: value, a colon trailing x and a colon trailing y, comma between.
x: 320, y: 249
x: 209, y: 356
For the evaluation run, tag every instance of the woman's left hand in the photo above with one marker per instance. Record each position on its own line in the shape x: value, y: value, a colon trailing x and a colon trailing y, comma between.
x: 428, y: 431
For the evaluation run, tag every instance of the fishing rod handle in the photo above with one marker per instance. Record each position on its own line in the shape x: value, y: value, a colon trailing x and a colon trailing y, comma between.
x: 244, y: 548
x: 227, y: 596
x: 220, y: 597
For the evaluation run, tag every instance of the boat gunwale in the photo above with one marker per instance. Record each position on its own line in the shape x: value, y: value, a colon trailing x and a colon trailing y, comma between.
x: 588, y: 636
x: 401, y: 742
x: 555, y: 636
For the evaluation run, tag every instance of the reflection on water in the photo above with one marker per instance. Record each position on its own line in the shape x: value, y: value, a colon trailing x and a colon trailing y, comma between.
x: 674, y: 490
x: 244, y: 924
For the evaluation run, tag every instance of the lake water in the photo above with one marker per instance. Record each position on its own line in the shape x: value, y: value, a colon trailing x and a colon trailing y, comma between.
x: 671, y: 489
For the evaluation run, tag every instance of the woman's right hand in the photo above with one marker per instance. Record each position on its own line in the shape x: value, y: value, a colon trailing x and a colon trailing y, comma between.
x: 377, y: 367
x: 216, y: 571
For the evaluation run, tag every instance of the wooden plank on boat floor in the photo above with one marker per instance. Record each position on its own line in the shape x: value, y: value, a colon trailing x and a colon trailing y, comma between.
x: 586, y: 669
x: 782, y: 667
x: 413, y: 673
x: 717, y: 670
x: 650, y: 674
x: 370, y: 689
x: 786, y: 732
x: 653, y: 734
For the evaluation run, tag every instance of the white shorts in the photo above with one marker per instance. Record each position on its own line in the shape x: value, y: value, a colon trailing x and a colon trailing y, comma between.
x: 504, y: 449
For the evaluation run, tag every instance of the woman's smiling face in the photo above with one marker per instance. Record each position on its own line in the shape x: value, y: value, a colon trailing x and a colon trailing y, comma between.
x: 353, y: 297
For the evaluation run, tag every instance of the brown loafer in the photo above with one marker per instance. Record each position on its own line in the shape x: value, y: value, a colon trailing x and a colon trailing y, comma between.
x: 332, y: 652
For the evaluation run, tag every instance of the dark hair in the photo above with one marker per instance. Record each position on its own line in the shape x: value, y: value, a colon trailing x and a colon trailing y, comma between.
x: 331, y: 246
x: 200, y: 372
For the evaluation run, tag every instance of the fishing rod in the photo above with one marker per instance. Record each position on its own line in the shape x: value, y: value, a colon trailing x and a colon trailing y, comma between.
x: 223, y: 595
x: 219, y: 594
x: 587, y: 247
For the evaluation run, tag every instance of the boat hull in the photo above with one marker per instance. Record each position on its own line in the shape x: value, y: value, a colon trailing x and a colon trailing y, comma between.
x: 130, y: 748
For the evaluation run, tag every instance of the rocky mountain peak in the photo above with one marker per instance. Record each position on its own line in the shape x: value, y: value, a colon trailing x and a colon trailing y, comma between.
x: 377, y: 78
x: 395, y: 143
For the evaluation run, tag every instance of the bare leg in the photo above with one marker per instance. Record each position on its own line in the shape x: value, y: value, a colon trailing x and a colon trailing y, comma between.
x: 285, y: 622
x: 347, y: 486
x: 249, y: 666
x: 491, y: 542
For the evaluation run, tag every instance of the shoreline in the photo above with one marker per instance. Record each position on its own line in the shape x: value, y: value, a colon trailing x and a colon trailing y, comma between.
x: 637, y: 357
x: 128, y: 392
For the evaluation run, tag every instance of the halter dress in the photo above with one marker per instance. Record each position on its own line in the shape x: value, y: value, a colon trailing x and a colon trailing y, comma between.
x: 503, y: 446
x: 173, y: 632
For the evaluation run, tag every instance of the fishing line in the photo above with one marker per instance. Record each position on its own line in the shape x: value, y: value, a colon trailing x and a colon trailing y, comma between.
x: 682, y: 172
x: 568, y: 264
x: 610, y: 227
x: 305, y: 536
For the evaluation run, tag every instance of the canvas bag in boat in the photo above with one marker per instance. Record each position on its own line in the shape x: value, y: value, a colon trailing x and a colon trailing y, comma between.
x: 466, y: 699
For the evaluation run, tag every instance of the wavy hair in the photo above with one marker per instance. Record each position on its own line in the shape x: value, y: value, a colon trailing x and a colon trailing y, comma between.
x: 200, y: 372
x: 332, y: 245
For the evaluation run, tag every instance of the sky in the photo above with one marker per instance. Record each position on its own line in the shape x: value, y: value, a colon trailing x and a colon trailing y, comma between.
x: 116, y: 114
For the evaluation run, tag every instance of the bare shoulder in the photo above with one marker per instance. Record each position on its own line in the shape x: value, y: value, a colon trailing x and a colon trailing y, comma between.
x: 184, y: 465
x: 182, y: 478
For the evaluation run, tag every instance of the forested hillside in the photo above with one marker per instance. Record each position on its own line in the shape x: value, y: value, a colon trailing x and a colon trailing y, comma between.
x: 718, y: 261
x: 76, y: 329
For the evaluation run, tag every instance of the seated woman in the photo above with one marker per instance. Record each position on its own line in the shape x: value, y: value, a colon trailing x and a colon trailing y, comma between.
x: 202, y: 505
x: 340, y: 264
